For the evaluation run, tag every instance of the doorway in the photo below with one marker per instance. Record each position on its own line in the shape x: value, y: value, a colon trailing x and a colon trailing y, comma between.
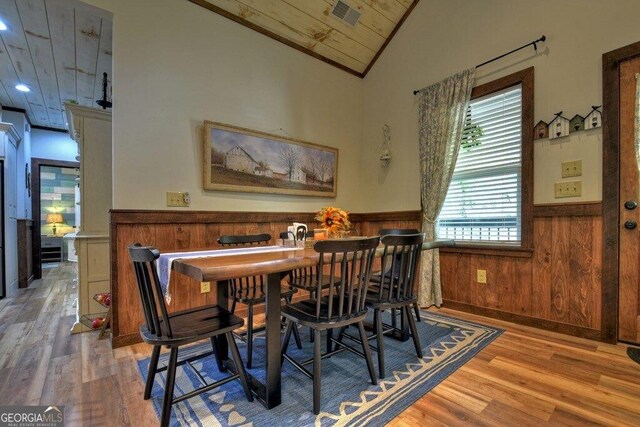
x: 49, y: 248
x: 620, y: 198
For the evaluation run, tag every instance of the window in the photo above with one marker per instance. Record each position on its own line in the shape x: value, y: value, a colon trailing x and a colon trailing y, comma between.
x: 489, y: 198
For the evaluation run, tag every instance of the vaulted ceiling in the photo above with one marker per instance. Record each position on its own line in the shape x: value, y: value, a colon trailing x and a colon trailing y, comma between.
x: 312, y: 27
x: 59, y: 49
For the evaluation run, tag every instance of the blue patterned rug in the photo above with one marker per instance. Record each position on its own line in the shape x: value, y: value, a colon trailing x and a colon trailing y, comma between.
x: 348, y: 398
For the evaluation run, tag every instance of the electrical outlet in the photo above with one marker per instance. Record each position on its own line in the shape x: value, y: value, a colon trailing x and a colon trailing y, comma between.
x: 572, y: 168
x: 178, y: 199
x: 481, y: 276
x: 205, y: 287
x: 568, y: 189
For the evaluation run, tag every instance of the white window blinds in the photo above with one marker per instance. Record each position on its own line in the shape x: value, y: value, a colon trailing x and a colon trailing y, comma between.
x: 484, y: 199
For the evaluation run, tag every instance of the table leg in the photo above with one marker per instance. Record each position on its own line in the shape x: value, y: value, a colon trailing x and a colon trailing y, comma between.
x: 272, y: 311
x: 222, y: 346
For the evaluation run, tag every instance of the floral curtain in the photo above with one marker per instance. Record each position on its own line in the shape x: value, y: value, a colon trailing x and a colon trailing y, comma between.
x: 442, y: 110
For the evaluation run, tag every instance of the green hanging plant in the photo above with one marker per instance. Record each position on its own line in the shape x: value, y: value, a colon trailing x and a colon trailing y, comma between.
x: 471, y: 133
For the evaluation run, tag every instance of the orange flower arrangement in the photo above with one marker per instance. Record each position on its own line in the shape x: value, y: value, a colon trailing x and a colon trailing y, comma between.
x: 333, y: 219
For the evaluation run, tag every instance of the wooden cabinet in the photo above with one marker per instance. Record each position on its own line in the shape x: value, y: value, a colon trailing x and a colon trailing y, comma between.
x: 91, y: 129
x: 25, y: 252
x: 51, y: 249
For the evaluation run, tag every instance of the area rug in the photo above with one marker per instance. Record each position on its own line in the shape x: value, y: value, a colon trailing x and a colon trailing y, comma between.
x: 348, y: 398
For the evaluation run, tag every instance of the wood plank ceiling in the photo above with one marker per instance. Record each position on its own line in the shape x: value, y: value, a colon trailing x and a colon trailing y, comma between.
x: 59, y: 49
x: 309, y: 26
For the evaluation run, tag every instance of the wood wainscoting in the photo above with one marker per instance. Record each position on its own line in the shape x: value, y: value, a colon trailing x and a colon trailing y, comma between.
x: 173, y: 231
x: 557, y: 288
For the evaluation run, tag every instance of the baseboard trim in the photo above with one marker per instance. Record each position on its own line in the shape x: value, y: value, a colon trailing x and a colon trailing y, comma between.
x: 549, y: 325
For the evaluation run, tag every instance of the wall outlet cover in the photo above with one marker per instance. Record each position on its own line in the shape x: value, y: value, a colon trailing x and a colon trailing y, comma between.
x: 568, y: 189
x: 481, y: 276
x: 572, y: 168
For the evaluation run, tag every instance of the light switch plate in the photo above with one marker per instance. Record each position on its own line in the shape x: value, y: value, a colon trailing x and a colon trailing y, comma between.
x: 572, y: 168
x: 568, y: 189
x: 178, y: 199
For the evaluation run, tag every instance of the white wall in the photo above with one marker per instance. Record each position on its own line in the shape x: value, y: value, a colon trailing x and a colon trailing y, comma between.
x: 442, y: 37
x: 176, y: 64
x: 46, y: 144
x: 23, y: 156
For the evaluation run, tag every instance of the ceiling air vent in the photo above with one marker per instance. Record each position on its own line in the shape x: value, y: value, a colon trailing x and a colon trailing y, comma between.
x: 346, y: 13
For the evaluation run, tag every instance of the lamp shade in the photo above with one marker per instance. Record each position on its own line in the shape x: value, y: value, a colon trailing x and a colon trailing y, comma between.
x: 54, y: 218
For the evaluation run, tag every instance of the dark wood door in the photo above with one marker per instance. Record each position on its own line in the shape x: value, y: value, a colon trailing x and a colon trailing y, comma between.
x: 629, y: 249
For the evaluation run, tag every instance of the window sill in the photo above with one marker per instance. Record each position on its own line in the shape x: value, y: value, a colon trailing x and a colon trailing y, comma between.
x: 495, y: 250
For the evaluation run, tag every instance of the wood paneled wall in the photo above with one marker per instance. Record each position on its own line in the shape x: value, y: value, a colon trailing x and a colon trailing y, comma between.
x: 555, y: 287
x: 172, y: 231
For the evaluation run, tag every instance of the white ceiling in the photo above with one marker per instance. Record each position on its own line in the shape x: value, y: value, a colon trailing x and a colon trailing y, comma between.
x: 59, y: 48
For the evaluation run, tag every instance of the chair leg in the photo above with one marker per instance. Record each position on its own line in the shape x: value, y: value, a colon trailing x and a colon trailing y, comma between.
x: 312, y: 295
x: 341, y: 334
x: 317, y: 360
x: 380, y: 343
x: 238, y: 362
x: 214, y: 346
x: 287, y: 336
x: 367, y: 352
x: 329, y: 343
x: 249, y: 335
x: 414, y: 332
x: 296, y: 336
x: 151, y: 375
x: 416, y: 309
x: 393, y: 318
x: 168, y: 388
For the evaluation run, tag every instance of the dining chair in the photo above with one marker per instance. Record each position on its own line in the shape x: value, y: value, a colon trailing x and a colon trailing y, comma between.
x: 250, y: 290
x: 343, y: 305
x: 376, y: 277
x: 306, y: 278
x: 402, y: 256
x: 177, y: 329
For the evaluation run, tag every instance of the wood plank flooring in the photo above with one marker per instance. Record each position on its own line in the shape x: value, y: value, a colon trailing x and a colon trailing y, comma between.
x: 526, y: 377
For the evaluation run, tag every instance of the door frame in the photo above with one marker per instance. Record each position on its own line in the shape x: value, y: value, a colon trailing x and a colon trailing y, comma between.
x: 35, y: 206
x: 3, y: 270
x: 611, y: 192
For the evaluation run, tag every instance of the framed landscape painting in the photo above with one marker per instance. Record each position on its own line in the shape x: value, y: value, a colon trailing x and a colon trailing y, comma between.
x: 237, y: 159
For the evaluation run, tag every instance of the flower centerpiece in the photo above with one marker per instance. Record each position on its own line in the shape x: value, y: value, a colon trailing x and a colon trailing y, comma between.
x: 334, y: 220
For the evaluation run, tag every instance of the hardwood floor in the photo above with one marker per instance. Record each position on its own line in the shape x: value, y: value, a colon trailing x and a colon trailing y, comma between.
x: 525, y: 377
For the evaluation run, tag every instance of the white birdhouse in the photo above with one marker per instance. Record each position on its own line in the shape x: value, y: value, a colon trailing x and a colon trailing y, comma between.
x: 594, y: 118
x: 559, y: 126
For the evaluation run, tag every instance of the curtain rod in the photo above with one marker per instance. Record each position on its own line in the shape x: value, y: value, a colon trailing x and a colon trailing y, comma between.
x: 535, y: 47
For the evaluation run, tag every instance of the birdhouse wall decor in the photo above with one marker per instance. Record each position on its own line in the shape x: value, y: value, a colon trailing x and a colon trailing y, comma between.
x: 559, y: 126
x: 576, y: 124
x: 594, y: 118
x: 541, y: 130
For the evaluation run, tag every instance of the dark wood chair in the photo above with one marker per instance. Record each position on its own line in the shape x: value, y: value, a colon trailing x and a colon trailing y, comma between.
x: 343, y: 305
x: 306, y: 278
x: 250, y: 290
x: 402, y: 256
x: 178, y: 329
x: 376, y: 277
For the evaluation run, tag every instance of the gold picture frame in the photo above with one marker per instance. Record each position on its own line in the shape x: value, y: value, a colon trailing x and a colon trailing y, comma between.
x: 239, y: 159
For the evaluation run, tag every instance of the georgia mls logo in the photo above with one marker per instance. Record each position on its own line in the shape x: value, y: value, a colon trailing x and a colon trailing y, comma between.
x: 31, y: 416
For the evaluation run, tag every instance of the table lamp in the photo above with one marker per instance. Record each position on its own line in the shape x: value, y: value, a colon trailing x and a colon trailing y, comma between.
x: 55, y: 218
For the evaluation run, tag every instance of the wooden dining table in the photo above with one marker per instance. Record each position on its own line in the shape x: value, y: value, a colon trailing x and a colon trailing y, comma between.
x: 275, y: 265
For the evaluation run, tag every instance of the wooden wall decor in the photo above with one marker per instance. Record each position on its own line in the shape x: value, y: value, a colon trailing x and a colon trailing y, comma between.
x: 541, y: 130
x: 559, y: 126
x: 557, y: 286
x: 576, y: 123
x: 594, y: 118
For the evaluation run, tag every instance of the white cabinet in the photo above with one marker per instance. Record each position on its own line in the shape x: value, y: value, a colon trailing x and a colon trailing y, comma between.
x: 91, y: 129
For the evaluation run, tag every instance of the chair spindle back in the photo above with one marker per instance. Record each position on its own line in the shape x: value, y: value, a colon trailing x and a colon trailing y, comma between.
x: 151, y: 296
x: 400, y: 260
x: 347, y: 295
x: 251, y: 285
